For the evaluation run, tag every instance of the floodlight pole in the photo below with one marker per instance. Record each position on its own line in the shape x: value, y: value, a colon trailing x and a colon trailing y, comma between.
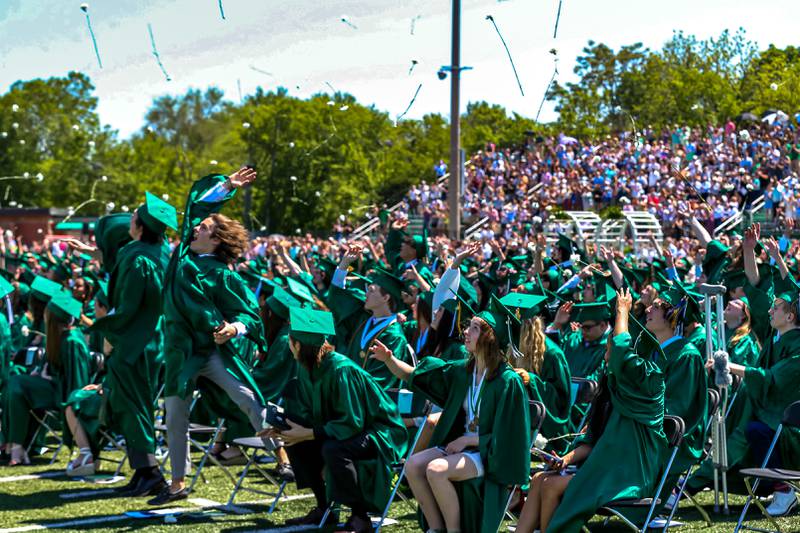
x: 454, y: 187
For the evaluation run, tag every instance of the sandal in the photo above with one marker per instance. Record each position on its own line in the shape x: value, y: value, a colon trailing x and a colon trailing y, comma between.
x: 83, y: 465
x: 18, y: 456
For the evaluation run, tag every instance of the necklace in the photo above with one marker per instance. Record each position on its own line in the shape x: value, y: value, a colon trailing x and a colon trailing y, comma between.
x: 474, y: 400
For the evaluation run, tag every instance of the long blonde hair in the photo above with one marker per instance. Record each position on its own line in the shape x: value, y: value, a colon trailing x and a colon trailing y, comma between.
x: 532, y: 345
x: 744, y: 329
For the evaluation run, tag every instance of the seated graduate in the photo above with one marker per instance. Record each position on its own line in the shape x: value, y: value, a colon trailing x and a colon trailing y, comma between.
x: 583, y: 347
x: 742, y: 346
x: 377, y: 321
x: 82, y: 411
x: 625, y: 430
x: 684, y: 370
x: 353, y: 431
x: 483, y: 435
x: 65, y: 370
x: 542, y: 366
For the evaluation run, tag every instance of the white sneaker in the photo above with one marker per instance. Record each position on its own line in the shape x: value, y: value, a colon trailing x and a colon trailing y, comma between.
x: 782, y: 503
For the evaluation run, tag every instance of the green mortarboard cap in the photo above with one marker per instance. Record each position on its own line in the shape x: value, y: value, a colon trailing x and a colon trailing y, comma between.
x: 310, y: 327
x: 501, y: 320
x: 111, y: 233
x: 64, y: 306
x: 6, y: 287
x: 678, y: 292
x: 43, y: 289
x: 281, y: 302
x: 390, y: 283
x: 299, y: 290
x: 467, y: 308
x: 157, y: 214
x: 597, y: 311
x: 565, y: 243
x: 529, y: 305
x: 735, y: 279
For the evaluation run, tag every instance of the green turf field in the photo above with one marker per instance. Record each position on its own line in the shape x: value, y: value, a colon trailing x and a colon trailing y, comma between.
x: 57, y: 502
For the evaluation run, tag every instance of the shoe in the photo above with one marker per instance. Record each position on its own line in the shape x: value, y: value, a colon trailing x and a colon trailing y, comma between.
x: 782, y: 503
x: 130, y: 485
x: 286, y: 472
x: 234, y: 460
x: 147, y: 486
x: 166, y: 496
x: 358, y: 524
x: 313, y: 518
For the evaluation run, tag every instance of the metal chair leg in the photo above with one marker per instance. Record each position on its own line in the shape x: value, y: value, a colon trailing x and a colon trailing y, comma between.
x: 277, y: 497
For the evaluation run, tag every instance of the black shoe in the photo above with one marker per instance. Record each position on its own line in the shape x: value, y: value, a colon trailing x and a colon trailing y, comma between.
x: 358, y: 524
x: 165, y: 496
x: 130, y: 485
x: 313, y: 518
x: 285, y: 472
x: 148, y: 486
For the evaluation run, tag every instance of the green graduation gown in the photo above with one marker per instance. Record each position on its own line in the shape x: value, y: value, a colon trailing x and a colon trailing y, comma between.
x: 201, y: 292
x: 134, y: 330
x: 504, y: 434
x: 627, y: 460
x: 585, y: 358
x: 552, y: 387
x: 768, y: 379
x: 277, y: 369
x: 685, y: 378
x: 772, y: 389
x: 340, y: 300
x: 26, y: 392
x: 745, y: 351
x: 346, y: 402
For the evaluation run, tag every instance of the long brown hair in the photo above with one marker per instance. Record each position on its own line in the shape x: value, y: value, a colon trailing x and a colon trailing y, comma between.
x: 311, y: 355
x: 232, y: 236
x: 488, y: 349
x: 55, y: 331
x: 532, y: 345
x: 744, y: 329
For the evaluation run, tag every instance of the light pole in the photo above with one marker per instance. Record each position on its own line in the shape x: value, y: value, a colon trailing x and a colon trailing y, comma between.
x: 454, y: 188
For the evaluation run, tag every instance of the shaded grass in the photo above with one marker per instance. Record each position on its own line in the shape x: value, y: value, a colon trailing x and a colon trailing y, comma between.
x: 40, y: 501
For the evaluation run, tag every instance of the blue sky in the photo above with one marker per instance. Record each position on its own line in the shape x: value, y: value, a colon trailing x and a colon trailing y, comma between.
x: 304, y: 44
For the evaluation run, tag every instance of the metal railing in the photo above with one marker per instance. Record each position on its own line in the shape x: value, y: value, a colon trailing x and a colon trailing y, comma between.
x: 370, y: 225
x: 735, y: 219
x: 479, y: 225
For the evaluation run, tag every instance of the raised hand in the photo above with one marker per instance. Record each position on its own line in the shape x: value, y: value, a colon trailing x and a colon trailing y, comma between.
x: 624, y: 301
x: 80, y: 246
x: 562, y: 315
x: 399, y: 224
x: 242, y: 177
x: 467, y: 251
x: 773, y: 249
x: 751, y: 236
x: 379, y: 351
